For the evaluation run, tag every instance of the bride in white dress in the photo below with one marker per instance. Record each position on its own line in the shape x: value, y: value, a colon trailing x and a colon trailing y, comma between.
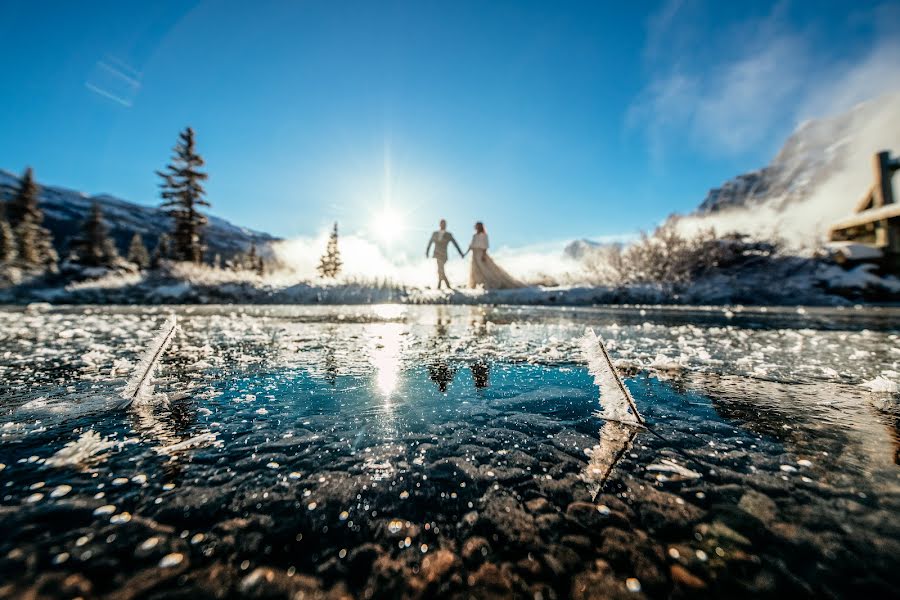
x: 484, y: 271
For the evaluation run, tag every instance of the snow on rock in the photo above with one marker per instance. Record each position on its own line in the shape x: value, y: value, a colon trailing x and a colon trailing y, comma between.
x: 860, y: 277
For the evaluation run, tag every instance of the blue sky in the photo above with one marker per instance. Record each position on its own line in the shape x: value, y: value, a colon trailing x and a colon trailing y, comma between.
x: 547, y: 120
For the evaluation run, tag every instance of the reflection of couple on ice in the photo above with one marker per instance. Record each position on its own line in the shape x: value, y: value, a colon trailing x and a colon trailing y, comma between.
x: 483, y: 272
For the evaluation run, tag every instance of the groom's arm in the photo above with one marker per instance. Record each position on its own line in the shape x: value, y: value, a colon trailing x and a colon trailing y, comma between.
x: 453, y: 239
x: 428, y: 248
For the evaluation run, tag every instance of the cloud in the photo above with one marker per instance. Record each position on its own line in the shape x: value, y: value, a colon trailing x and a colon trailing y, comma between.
x: 744, y: 87
x: 114, y: 80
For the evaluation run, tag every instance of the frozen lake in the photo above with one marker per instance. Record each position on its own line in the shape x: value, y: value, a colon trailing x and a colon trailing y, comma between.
x: 379, y: 451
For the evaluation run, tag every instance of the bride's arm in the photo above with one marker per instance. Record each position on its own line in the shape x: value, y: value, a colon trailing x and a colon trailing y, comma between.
x: 471, y: 245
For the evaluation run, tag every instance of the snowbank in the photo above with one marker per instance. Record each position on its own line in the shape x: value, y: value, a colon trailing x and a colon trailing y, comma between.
x: 769, y: 281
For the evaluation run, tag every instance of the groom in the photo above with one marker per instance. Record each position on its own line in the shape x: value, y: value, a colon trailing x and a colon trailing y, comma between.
x: 441, y: 238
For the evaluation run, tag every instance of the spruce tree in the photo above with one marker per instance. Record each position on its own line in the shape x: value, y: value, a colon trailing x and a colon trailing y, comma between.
x: 35, y: 242
x: 137, y: 252
x: 163, y: 250
x: 24, y: 202
x: 94, y: 248
x: 8, y: 244
x: 330, y: 263
x: 249, y: 262
x: 183, y: 197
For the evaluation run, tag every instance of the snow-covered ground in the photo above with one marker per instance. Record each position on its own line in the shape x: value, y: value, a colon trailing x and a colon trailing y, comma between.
x: 786, y: 282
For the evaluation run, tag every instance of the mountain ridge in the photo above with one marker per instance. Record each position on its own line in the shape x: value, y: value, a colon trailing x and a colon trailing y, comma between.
x: 65, y: 209
x: 814, y: 151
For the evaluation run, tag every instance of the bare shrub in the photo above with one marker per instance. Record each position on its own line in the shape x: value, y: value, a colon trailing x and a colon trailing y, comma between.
x: 669, y: 258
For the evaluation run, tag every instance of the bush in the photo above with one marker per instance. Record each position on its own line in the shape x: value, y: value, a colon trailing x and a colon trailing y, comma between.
x: 668, y: 258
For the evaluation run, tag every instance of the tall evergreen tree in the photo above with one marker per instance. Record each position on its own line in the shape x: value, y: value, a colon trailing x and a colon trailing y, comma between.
x: 8, y: 244
x: 330, y: 263
x: 163, y: 250
x: 35, y: 242
x: 183, y: 197
x: 137, y: 252
x: 24, y: 202
x: 250, y: 258
x: 94, y: 248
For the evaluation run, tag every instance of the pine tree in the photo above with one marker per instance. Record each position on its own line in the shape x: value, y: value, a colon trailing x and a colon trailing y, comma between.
x: 94, y: 248
x: 8, y: 244
x: 249, y: 261
x: 137, y: 252
x: 35, y: 245
x: 24, y: 202
x: 163, y: 250
x: 183, y: 197
x: 35, y: 242
x: 330, y: 263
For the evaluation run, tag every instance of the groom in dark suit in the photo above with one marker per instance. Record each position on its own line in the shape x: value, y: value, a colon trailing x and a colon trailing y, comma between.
x: 441, y: 239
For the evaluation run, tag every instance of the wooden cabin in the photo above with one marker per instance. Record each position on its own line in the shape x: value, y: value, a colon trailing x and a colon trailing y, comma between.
x: 875, y: 224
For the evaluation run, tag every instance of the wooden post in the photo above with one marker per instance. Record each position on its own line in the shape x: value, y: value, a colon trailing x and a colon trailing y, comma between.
x: 884, y: 168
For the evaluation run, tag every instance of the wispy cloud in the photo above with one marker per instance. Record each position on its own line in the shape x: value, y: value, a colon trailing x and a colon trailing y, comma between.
x: 762, y: 78
x: 108, y: 95
x: 114, y: 80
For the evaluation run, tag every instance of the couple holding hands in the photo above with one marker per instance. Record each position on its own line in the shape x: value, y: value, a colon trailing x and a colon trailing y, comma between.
x: 484, y: 272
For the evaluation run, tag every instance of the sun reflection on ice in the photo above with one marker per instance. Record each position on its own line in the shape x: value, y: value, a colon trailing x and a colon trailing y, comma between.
x: 387, y: 346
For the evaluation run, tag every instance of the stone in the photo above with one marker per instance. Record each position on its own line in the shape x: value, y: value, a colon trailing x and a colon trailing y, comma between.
x: 662, y: 513
x: 490, y: 578
x: 437, y: 565
x: 681, y: 576
x: 538, y: 505
x: 594, y: 517
x: 505, y: 517
x: 453, y: 470
x: 475, y: 550
x: 759, y: 505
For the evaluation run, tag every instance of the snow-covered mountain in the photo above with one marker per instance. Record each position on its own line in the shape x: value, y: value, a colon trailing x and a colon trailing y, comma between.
x: 578, y: 249
x: 813, y: 152
x: 65, y: 209
x: 815, y: 179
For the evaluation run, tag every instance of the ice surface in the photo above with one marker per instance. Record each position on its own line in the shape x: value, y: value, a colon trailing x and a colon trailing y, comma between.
x: 449, y: 426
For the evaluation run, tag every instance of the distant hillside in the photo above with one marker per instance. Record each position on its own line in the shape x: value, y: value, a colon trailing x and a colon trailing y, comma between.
x: 816, y: 178
x: 65, y: 209
x: 810, y: 155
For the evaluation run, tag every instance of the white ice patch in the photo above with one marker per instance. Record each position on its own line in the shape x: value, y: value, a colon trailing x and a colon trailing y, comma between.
x: 198, y: 440
x: 140, y: 387
x: 618, y: 405
x: 882, y: 385
x: 87, y: 448
x: 670, y: 466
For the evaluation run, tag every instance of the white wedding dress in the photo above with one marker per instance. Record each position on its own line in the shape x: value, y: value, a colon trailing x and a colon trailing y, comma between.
x: 484, y: 271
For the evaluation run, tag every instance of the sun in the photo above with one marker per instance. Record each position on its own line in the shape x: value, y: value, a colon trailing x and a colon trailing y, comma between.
x: 388, y: 225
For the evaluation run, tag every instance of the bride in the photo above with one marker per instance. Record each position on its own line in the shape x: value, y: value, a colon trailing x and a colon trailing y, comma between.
x: 485, y: 272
